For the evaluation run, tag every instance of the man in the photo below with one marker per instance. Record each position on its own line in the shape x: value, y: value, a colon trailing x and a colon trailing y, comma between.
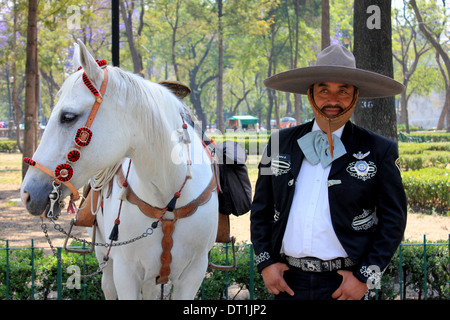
x: 329, y: 209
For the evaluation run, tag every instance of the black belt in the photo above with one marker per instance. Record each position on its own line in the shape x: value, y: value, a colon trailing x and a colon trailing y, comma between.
x: 317, y: 265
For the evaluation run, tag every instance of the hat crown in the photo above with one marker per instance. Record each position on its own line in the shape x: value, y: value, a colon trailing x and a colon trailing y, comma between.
x: 336, y: 55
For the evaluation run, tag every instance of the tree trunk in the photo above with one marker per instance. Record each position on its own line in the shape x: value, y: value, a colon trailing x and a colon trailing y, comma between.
x: 37, y: 92
x: 138, y: 67
x: 271, y: 94
x: 445, y: 57
x: 404, y: 111
x: 14, y: 84
x: 196, y: 101
x: 373, y: 51
x: 297, y: 97
x: 31, y: 84
x: 445, y: 114
x: 325, y: 23
x: 220, y: 119
x: 174, y: 27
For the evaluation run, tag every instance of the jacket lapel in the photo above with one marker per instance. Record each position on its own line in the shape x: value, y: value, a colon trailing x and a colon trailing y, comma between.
x: 296, y: 153
x: 346, y: 138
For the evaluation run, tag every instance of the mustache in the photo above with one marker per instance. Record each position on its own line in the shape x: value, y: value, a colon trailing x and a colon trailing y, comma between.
x: 329, y: 106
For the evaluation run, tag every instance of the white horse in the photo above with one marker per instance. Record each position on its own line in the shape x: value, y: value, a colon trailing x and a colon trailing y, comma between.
x: 141, y: 121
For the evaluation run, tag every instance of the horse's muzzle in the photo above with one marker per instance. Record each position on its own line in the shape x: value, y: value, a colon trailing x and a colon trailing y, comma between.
x: 35, y: 197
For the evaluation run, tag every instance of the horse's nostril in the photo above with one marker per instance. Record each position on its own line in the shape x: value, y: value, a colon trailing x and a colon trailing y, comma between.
x: 25, y: 196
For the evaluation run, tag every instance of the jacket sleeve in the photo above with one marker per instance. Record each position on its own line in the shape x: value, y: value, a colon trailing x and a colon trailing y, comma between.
x: 391, y: 211
x: 262, y: 213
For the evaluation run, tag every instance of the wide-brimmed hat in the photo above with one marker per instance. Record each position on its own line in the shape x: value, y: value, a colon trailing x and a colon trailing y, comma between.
x: 335, y: 64
x: 180, y: 89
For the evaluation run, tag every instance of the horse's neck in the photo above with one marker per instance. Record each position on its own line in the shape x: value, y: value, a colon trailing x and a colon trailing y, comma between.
x: 154, y: 179
x: 156, y: 175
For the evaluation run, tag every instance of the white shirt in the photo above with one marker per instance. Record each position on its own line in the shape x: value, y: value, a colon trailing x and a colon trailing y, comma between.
x: 309, y: 231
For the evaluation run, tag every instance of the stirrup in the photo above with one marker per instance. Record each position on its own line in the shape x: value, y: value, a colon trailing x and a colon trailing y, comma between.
x: 225, y: 268
x: 80, y: 251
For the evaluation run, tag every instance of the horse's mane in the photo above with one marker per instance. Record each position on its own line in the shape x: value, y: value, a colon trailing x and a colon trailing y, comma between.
x: 156, y: 108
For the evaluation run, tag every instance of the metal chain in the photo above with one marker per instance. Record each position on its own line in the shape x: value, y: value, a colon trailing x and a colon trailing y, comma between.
x: 102, y: 265
x: 147, y: 233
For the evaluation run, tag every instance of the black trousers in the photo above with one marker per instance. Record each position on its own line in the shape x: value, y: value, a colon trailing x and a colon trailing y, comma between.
x: 310, y: 285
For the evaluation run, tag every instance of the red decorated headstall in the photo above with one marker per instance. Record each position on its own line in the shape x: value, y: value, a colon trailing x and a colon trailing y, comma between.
x: 64, y: 171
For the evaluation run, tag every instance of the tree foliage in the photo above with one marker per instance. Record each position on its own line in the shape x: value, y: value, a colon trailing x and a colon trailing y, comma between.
x: 178, y: 40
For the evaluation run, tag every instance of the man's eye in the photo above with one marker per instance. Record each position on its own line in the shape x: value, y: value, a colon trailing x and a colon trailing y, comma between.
x: 67, y: 117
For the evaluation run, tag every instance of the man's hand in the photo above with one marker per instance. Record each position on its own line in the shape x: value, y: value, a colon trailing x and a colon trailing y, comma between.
x: 350, y: 288
x: 273, y: 278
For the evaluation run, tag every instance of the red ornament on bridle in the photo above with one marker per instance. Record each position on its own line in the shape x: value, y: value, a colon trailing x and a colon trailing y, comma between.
x: 64, y: 171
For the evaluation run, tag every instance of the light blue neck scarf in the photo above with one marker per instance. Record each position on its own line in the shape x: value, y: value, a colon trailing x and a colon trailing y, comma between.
x: 316, y: 149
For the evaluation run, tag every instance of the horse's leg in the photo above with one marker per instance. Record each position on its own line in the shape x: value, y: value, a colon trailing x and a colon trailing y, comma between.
x: 150, y: 290
x: 127, y: 280
x: 186, y: 287
x: 108, y: 288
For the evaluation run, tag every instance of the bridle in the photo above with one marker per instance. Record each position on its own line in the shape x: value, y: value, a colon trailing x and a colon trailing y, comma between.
x: 63, y: 172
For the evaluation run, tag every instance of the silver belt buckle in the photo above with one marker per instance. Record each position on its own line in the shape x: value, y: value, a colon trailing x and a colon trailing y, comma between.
x: 311, y: 265
x: 318, y: 265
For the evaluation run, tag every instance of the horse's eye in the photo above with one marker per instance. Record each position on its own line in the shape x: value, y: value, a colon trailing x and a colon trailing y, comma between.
x: 67, y: 117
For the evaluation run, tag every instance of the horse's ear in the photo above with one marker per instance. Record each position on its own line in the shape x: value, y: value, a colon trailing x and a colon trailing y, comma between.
x: 76, y: 56
x: 90, y: 66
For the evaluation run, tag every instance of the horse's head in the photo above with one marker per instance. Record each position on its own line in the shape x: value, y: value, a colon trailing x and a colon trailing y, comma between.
x: 59, y: 150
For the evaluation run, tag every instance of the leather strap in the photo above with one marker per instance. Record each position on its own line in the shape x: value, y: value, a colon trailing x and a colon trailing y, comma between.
x: 31, y: 162
x: 154, y: 212
x: 168, y: 225
x: 98, y: 100
x: 84, y: 216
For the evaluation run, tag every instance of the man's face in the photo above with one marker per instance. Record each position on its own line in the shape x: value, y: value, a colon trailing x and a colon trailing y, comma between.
x: 333, y: 97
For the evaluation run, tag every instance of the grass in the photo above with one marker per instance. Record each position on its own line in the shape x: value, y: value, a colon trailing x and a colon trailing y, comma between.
x: 10, y: 168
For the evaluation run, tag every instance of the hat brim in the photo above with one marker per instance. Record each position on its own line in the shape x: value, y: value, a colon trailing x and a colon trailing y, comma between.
x: 370, y: 84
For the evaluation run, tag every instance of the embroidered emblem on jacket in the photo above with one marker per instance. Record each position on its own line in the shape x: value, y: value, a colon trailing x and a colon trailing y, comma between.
x: 373, y: 274
x: 398, y: 164
x: 364, y: 221
x: 281, y: 164
x: 276, y: 216
x: 263, y: 256
x: 361, y: 155
x: 362, y: 169
x: 333, y: 182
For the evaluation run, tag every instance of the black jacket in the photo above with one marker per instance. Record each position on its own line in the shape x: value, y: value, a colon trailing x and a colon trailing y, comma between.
x: 368, y: 210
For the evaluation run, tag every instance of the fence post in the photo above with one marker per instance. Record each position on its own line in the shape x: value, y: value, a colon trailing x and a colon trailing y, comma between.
x: 252, y: 274
x: 84, y: 272
x: 32, y: 270
x: 425, y: 267
x: 400, y: 271
x: 7, y: 269
x: 227, y: 279
x: 59, y: 275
